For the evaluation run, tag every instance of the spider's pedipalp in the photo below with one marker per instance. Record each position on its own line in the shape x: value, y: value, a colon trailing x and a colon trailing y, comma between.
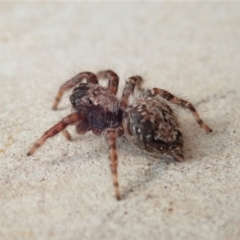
x: 82, y: 126
x: 72, y: 118
x: 129, y: 89
x: 66, y: 134
x: 182, y: 103
x: 111, y: 137
x: 90, y: 77
x: 112, y: 77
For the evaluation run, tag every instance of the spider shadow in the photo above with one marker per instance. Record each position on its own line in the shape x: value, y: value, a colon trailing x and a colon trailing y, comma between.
x: 152, y: 172
x: 148, y: 168
x: 197, y: 142
x: 82, y: 152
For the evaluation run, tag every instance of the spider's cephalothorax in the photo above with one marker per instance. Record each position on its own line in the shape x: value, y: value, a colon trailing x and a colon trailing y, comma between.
x: 98, y: 104
x: 149, y: 122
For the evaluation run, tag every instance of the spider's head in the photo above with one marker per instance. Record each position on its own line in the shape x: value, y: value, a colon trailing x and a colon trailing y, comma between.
x: 99, y: 104
x: 80, y: 96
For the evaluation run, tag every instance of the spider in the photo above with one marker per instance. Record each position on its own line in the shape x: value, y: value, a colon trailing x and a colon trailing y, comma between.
x: 148, y: 122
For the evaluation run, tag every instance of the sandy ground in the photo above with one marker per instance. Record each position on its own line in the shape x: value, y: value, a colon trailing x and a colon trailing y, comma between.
x: 65, y: 191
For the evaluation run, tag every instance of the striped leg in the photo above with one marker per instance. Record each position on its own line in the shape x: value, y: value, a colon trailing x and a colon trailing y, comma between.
x: 129, y: 89
x: 182, y: 103
x: 90, y: 77
x: 112, y: 77
x: 72, y: 118
x: 111, y: 137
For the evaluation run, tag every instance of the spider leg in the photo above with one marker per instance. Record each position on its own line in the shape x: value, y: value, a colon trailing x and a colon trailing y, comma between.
x: 70, y: 119
x: 111, y: 137
x: 112, y: 77
x: 90, y: 77
x: 129, y: 89
x: 182, y: 103
x: 177, y: 155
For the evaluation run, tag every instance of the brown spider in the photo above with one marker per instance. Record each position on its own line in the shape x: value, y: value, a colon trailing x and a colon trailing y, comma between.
x: 149, y: 123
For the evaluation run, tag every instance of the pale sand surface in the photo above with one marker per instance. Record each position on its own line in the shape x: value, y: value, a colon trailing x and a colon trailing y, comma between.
x: 65, y: 191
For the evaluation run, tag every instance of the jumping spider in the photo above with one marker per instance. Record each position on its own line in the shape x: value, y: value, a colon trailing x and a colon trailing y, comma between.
x: 149, y: 122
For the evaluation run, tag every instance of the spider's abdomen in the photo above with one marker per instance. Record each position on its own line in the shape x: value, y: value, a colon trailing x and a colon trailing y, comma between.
x: 151, y: 125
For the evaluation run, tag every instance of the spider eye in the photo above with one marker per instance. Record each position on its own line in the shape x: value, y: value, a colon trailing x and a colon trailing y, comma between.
x: 89, y: 101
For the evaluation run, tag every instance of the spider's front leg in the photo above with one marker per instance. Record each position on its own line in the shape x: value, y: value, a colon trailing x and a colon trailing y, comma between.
x: 72, y: 118
x: 112, y: 77
x: 111, y: 137
x: 182, y: 103
x: 90, y: 77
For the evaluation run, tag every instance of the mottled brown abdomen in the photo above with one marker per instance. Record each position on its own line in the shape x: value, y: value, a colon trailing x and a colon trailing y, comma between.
x: 151, y: 125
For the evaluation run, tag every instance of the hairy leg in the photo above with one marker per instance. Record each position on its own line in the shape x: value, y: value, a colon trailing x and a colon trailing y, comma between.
x: 129, y: 89
x: 90, y: 77
x: 72, y: 118
x: 112, y: 77
x: 111, y: 137
x: 182, y: 103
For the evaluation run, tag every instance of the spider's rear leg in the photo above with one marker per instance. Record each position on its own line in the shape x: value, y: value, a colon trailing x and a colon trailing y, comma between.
x: 178, y: 156
x: 129, y: 89
x: 182, y: 103
x: 90, y: 77
x: 72, y: 118
x: 111, y: 137
x: 112, y: 77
